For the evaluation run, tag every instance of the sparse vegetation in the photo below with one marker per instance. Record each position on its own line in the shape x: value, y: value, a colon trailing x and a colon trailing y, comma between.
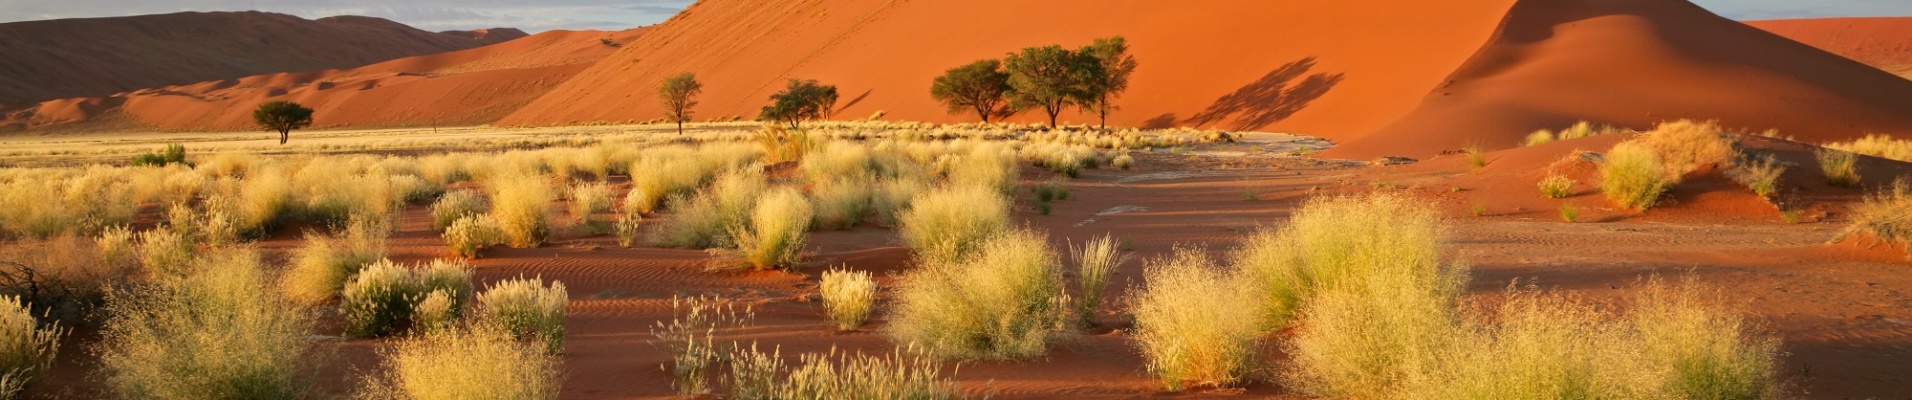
x: 841, y: 203
x: 1095, y: 261
x: 946, y: 223
x: 478, y: 363
x: 214, y: 332
x: 1569, y: 213
x: 26, y: 348
x: 1876, y: 145
x: 1633, y: 176
x: 1759, y: 174
x: 848, y: 297
x: 519, y: 203
x: 1841, y: 167
x: 1190, y: 326
x: 456, y: 205
x: 689, y: 339
x: 704, y: 220
x: 998, y: 302
x: 900, y: 375
x: 1884, y: 217
x: 1556, y: 186
x: 526, y: 309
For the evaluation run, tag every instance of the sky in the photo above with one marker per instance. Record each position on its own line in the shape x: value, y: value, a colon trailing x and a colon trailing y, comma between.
x: 542, y: 15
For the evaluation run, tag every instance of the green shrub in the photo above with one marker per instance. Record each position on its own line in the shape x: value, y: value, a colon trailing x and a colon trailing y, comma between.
x: 456, y: 205
x: 848, y: 297
x: 1095, y: 261
x: 945, y: 223
x: 215, y: 332
x: 1000, y: 302
x: 1190, y: 325
x: 1633, y: 176
x: 172, y: 154
x: 526, y: 309
x: 466, y: 364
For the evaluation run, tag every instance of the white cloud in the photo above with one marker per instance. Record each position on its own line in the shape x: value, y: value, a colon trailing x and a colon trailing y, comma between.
x: 424, y: 14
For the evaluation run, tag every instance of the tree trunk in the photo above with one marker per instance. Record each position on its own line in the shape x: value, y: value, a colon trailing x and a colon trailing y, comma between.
x: 680, y: 126
x: 283, y: 135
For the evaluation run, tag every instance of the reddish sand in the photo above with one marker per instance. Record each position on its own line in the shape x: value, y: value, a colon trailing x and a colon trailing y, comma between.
x: 490, y: 36
x: 468, y: 87
x: 101, y: 56
x: 1883, y: 42
x: 1635, y: 63
x: 1329, y: 68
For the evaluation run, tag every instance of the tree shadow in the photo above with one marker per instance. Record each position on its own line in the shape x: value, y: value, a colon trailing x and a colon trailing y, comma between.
x: 1163, y: 121
x: 837, y: 111
x: 1274, y: 97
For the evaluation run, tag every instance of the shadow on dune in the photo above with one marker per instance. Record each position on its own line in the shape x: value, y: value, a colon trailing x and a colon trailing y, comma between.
x: 1275, y: 97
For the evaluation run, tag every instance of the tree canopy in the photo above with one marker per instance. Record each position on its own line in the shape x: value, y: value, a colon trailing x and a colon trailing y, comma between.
x: 1051, y: 78
x: 1116, y: 64
x: 801, y: 100
x: 282, y: 116
x: 679, y: 94
x: 981, y: 87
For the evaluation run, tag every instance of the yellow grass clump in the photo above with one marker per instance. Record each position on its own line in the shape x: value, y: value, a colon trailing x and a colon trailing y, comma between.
x: 945, y: 223
x: 520, y: 204
x: 1556, y: 186
x: 1885, y: 216
x: 469, y: 236
x: 1000, y: 301
x: 66, y: 277
x: 703, y: 221
x: 216, y: 332
x: 848, y: 297
x: 1841, y: 167
x: 526, y: 309
x: 587, y: 201
x: 1190, y: 325
x: 1346, y: 241
x: 1685, y: 146
x: 456, y: 205
x: 321, y: 265
x: 384, y: 294
x: 1759, y: 174
x: 26, y: 348
x: 774, y: 236
x: 1876, y: 145
x: 1634, y: 176
x: 1095, y: 261
x: 838, y: 375
x: 476, y: 363
x: 841, y: 203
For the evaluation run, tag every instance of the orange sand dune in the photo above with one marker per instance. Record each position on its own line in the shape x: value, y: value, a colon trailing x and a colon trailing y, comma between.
x: 467, y: 87
x: 1331, y: 68
x: 1635, y: 63
x: 1884, y: 42
x: 490, y: 36
x: 102, y: 56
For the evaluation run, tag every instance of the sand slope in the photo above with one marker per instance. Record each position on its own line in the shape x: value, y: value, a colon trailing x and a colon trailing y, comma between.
x: 102, y: 56
x: 489, y: 36
x: 1320, y: 67
x: 1637, y: 62
x: 468, y: 87
x: 1884, y: 42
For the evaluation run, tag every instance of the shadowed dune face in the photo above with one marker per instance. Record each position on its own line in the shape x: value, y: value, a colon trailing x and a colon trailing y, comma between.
x: 1883, y: 42
x: 1634, y: 63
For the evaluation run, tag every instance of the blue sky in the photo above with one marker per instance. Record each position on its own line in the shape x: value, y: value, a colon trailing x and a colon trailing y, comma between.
x: 541, y: 15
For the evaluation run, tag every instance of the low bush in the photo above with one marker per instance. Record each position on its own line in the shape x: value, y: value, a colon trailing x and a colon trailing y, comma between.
x: 1882, y: 146
x: 526, y: 309
x: 519, y: 203
x: 172, y: 154
x: 774, y: 236
x: 891, y: 197
x: 1556, y: 186
x: 470, y: 236
x: 848, y: 297
x: 900, y: 375
x: 945, y: 223
x: 26, y: 348
x: 456, y: 205
x: 1123, y: 161
x: 1346, y: 241
x: 1685, y: 146
x: 587, y: 201
x: 215, y: 332
x: 1884, y: 217
x: 322, y: 264
x: 165, y: 251
x: 67, y: 277
x: 999, y: 302
x: 381, y: 298
x: 1759, y: 174
x: 1634, y: 177
x: 1095, y: 261
x: 841, y: 203
x: 1841, y: 167
x: 1190, y: 326
x: 466, y: 364
x: 703, y: 221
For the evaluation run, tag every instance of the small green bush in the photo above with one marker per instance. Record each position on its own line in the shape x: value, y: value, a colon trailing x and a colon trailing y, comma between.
x: 172, y: 154
x: 383, y: 296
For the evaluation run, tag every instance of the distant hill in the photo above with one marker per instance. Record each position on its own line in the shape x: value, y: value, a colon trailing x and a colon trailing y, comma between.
x: 101, y: 56
x: 1884, y: 42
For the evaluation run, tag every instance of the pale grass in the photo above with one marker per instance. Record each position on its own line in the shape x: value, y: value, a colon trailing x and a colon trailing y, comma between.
x: 774, y: 236
x: 165, y: 251
x: 838, y: 375
x: 1123, y: 161
x: 987, y: 165
x: 66, y: 278
x: 1096, y: 260
x: 1759, y: 174
x: 689, y: 339
x: 945, y: 223
x: 1883, y: 217
x: 1556, y: 186
x: 703, y: 221
x: 383, y: 295
x: 1841, y: 167
x: 456, y: 205
x: 321, y: 265
x: 1685, y: 146
x: 587, y: 200
x: 464, y: 364
x: 216, y: 332
x: 1877, y: 145
x: 469, y: 236
x: 1538, y: 137
x: 891, y: 197
x: 1000, y: 301
x: 27, y: 349
x: 837, y: 160
x: 848, y: 297
x: 841, y: 203
x: 1634, y: 176
x: 1192, y: 330
x: 526, y: 309
x: 1344, y: 242
x: 520, y: 204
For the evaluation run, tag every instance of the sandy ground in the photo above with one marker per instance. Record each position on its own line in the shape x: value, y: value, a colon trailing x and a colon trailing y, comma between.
x: 1844, y: 313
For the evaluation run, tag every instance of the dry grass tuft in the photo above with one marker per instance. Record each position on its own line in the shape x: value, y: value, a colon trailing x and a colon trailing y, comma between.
x: 1556, y: 186
x: 848, y: 297
x: 841, y: 203
x: 998, y: 302
x: 1335, y: 242
x: 587, y: 201
x: 216, y: 332
x: 1685, y: 146
x: 1882, y: 146
x: 1095, y: 261
x: 946, y: 223
x: 26, y: 348
x: 456, y: 205
x: 1841, y: 167
x: 774, y: 236
x: 1759, y: 174
x: 900, y: 375
x: 383, y: 296
x: 1190, y: 326
x: 703, y: 221
x: 469, y: 236
x: 1885, y: 216
x: 519, y: 203
x: 466, y: 364
x: 526, y: 309
x: 1634, y: 176
x: 322, y: 264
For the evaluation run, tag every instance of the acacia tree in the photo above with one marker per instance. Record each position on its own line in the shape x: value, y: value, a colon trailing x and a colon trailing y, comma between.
x: 282, y: 116
x: 1050, y: 78
x: 679, y: 94
x: 980, y: 87
x: 801, y: 100
x: 1113, y: 58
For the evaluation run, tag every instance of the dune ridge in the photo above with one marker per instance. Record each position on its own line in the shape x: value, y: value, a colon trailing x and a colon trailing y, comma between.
x: 1883, y: 42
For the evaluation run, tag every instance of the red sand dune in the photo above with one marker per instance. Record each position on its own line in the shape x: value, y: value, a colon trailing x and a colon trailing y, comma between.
x: 489, y: 36
x: 1883, y: 42
x: 1635, y: 63
x: 1321, y: 67
x: 101, y: 56
x: 468, y: 87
